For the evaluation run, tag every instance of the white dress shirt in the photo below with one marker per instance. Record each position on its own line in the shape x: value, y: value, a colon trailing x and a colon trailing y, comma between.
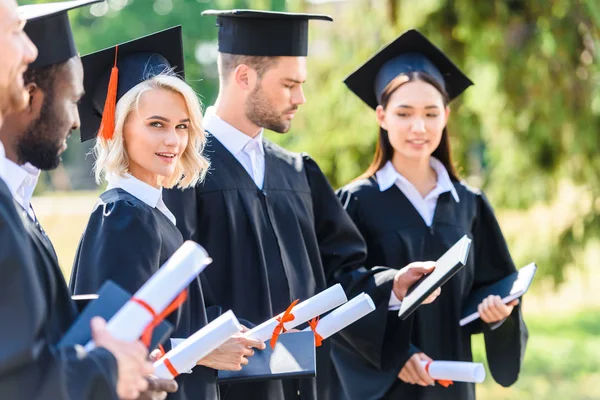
x: 21, y: 181
x: 2, y: 157
x: 144, y: 192
x: 249, y: 151
x: 425, y: 206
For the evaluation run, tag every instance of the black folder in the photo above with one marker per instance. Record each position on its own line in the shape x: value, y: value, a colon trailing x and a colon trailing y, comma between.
x: 110, y: 298
x: 446, y: 266
x: 512, y: 287
x: 293, y: 357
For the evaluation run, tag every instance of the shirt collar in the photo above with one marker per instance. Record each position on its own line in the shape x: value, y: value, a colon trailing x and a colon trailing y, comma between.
x: 388, y: 175
x: 233, y: 139
x: 21, y: 180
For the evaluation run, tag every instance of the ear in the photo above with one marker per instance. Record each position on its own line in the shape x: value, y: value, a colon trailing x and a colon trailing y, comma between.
x: 380, y: 113
x: 446, y: 115
x: 36, y: 99
x: 245, y: 77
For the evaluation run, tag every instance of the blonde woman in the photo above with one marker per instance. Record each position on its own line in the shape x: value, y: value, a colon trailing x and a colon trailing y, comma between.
x: 150, y: 137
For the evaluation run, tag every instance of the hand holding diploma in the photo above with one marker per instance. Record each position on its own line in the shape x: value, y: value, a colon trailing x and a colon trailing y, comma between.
x: 131, y: 358
x: 414, y: 372
x: 492, y: 309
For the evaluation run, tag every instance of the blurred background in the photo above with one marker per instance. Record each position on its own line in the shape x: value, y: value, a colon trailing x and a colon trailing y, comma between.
x: 528, y: 133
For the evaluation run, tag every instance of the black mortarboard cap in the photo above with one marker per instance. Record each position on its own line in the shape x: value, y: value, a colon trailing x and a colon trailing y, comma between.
x: 410, y: 52
x: 263, y: 33
x: 49, y: 29
x: 137, y: 60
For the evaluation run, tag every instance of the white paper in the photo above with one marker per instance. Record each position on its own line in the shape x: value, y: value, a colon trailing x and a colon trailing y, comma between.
x: 159, y: 291
x: 308, y: 309
x: 458, y: 371
x: 345, y: 315
x: 185, y: 356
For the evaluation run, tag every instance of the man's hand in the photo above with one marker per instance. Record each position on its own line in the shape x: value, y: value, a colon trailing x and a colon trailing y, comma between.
x: 233, y: 354
x: 158, y: 389
x: 414, y: 373
x: 410, y: 274
x: 131, y: 360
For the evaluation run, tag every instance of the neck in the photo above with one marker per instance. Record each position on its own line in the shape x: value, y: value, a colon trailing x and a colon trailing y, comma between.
x: 229, y: 109
x: 417, y: 171
x: 9, y: 136
x: 151, y: 179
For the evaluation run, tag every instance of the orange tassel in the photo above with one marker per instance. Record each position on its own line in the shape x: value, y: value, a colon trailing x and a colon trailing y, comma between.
x: 107, y: 126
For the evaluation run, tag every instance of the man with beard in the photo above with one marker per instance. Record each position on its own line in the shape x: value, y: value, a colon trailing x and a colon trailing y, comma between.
x: 267, y: 216
x: 37, y: 307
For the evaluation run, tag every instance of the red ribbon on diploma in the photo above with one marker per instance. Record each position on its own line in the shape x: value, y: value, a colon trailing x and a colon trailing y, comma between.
x: 444, y: 382
x: 167, y: 362
x: 279, y: 329
x: 158, y: 318
x: 313, y: 326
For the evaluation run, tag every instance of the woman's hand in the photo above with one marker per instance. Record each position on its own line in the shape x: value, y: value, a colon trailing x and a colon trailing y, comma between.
x: 414, y: 373
x: 493, y: 310
x: 233, y: 354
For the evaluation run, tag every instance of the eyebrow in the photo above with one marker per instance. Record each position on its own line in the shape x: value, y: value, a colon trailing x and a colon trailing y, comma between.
x: 411, y: 107
x: 166, y: 119
x: 293, y: 80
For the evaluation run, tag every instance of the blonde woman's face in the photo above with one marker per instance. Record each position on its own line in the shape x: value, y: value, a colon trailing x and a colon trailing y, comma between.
x: 156, y: 135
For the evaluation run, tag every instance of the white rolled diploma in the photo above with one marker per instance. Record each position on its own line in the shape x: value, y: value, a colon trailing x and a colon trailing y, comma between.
x: 185, y: 356
x: 345, y: 315
x: 159, y: 291
x: 308, y: 309
x: 459, y: 371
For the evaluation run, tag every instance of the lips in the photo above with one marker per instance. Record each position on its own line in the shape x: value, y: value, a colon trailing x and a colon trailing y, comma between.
x: 417, y: 142
x: 167, y: 156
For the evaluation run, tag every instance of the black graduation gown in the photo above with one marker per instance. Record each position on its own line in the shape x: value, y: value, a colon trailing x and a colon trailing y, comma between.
x: 30, y: 366
x: 126, y: 241
x: 397, y: 235
x: 288, y: 241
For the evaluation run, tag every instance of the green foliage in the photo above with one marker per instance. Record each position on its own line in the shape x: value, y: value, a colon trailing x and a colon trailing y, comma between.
x: 531, y: 121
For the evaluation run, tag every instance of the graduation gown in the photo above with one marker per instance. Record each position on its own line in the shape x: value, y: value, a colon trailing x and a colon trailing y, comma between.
x: 33, y: 301
x: 288, y: 241
x: 397, y: 235
x: 126, y: 241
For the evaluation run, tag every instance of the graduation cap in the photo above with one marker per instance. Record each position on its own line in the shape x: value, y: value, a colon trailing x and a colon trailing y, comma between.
x: 263, y: 33
x: 112, y: 72
x: 49, y: 29
x: 410, y: 52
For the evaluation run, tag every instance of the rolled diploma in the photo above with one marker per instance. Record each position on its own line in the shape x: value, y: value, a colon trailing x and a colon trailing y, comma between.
x: 159, y: 291
x: 308, y: 309
x: 185, y: 356
x: 459, y: 371
x: 345, y: 315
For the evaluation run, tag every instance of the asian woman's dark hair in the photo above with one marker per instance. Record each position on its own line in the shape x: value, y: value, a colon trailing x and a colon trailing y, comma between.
x: 385, y: 151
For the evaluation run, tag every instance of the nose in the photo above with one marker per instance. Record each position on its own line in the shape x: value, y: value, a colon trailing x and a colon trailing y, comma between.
x: 30, y: 52
x: 76, y: 120
x: 298, y: 97
x: 171, y: 138
x: 418, y: 125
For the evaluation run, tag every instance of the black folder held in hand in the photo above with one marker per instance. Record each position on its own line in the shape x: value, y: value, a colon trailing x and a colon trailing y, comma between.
x: 111, y: 297
x: 512, y: 287
x: 293, y: 357
x: 446, y: 266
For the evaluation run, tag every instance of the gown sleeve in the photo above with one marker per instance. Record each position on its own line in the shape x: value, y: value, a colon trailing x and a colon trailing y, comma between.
x: 343, y: 251
x: 121, y: 243
x: 505, y: 344
x: 29, y: 367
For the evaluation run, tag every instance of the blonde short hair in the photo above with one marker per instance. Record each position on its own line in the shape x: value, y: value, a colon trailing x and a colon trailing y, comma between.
x: 111, y: 156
